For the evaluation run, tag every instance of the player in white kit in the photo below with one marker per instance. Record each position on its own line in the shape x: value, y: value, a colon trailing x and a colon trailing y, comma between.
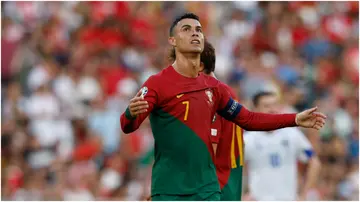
x: 271, y: 158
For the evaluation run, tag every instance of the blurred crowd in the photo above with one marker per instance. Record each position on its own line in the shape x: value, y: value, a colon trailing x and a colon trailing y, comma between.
x: 70, y: 68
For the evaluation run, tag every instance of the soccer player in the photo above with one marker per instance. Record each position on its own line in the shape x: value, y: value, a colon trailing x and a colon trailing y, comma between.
x: 271, y: 158
x: 227, y: 141
x: 181, y: 103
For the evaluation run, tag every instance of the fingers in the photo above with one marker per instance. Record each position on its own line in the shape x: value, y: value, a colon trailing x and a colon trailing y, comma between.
x: 137, y: 97
x: 320, y: 120
x: 317, y: 127
x: 319, y: 123
x: 138, y: 107
x: 319, y: 114
x: 140, y: 112
x: 138, y: 94
x: 135, y: 113
x: 136, y: 100
x: 312, y: 119
x: 312, y: 110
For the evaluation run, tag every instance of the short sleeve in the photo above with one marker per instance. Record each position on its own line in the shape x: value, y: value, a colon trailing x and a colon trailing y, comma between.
x: 304, y: 148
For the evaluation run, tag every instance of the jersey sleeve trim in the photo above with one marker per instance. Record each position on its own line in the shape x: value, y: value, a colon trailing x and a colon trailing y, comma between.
x: 128, y: 114
x: 309, y: 153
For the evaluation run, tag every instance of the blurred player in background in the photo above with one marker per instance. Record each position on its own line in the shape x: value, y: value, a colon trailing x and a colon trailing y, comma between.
x: 272, y: 157
x: 227, y: 139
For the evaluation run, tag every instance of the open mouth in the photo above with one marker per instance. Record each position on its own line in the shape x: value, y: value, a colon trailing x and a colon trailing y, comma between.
x: 195, y: 41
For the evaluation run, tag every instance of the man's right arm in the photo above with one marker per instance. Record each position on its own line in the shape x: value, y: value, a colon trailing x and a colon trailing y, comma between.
x: 136, y: 112
x: 129, y: 123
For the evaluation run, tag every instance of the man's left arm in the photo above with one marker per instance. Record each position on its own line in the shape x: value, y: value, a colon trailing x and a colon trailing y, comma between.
x: 233, y: 111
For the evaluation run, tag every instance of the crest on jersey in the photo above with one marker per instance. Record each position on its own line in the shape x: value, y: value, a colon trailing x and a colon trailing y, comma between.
x: 210, y: 96
x: 144, y: 91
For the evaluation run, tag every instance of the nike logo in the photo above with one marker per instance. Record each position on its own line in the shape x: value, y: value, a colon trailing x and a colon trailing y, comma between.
x: 179, y: 96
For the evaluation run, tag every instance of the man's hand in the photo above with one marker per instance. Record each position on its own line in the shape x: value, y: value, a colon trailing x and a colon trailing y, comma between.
x: 138, y: 105
x: 310, y: 119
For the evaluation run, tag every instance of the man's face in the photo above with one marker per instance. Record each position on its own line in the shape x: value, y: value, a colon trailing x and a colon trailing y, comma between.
x: 188, y: 36
x: 268, y: 104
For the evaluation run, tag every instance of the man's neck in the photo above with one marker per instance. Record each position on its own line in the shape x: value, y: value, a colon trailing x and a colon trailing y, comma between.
x: 187, y: 65
x: 212, y: 74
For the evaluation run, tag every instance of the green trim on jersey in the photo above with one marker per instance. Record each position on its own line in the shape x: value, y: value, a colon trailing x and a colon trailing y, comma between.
x: 232, y: 191
x: 183, y: 163
x: 128, y: 114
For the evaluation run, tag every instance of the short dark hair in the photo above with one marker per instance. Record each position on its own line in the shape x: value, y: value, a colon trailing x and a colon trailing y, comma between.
x: 181, y: 17
x: 259, y: 95
x: 208, y: 57
x: 172, y: 54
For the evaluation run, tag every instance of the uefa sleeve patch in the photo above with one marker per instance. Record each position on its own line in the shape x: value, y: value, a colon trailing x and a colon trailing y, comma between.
x: 144, y: 91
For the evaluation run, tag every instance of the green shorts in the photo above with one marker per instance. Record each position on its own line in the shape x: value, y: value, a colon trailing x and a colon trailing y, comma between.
x: 207, y: 196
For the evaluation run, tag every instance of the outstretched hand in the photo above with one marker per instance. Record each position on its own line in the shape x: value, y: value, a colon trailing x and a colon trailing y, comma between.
x: 310, y: 118
x: 138, y: 105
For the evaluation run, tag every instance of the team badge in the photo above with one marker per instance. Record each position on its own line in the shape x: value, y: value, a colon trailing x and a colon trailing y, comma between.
x: 210, y: 96
x: 144, y: 91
